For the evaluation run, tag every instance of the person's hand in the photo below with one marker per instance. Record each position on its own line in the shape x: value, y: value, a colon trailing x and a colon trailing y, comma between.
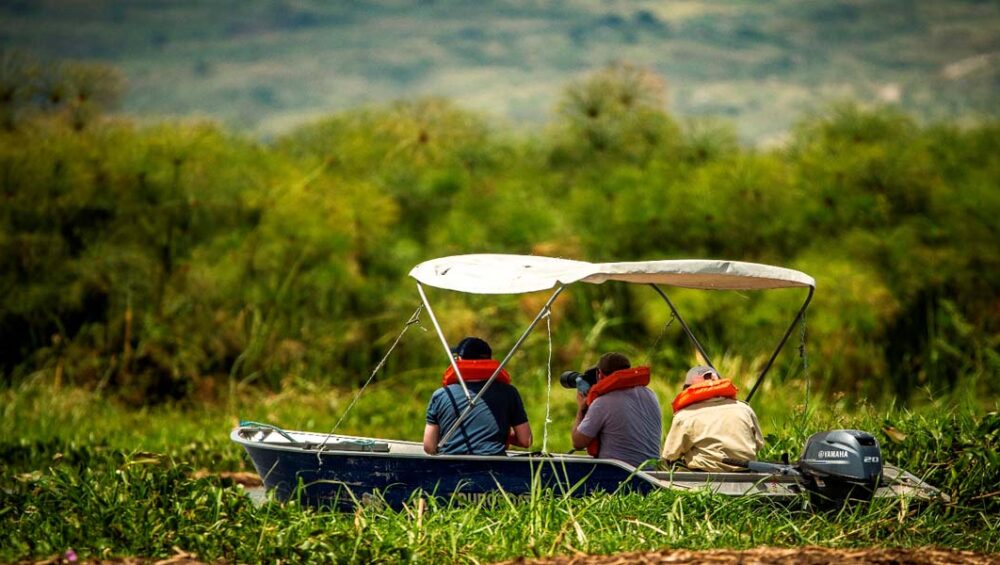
x: 581, y: 402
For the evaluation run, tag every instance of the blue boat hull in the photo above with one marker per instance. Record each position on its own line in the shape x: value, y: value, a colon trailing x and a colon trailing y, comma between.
x: 342, y: 480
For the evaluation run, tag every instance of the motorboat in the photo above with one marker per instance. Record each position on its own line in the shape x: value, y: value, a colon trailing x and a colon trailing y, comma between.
x: 343, y: 471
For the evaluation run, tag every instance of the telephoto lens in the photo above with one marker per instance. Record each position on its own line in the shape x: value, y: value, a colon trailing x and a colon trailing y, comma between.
x: 580, y: 381
x: 568, y: 379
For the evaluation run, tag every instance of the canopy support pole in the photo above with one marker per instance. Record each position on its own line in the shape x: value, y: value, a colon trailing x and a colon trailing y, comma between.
x: 444, y: 342
x: 517, y: 345
x: 781, y: 344
x: 684, y: 325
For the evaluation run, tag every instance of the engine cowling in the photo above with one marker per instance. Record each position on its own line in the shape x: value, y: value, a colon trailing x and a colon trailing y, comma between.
x: 841, y: 465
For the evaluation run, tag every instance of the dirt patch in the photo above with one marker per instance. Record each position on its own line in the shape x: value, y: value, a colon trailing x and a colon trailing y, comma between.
x: 180, y: 557
x: 770, y: 556
x: 760, y: 555
x: 241, y: 478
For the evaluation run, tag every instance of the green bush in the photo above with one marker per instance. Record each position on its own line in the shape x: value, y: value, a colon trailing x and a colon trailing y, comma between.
x: 178, y: 261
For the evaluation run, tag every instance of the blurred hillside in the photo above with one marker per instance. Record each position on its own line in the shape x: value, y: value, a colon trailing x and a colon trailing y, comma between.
x: 172, y: 261
x: 266, y: 66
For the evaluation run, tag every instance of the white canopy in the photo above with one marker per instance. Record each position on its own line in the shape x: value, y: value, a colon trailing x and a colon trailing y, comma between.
x: 515, y: 274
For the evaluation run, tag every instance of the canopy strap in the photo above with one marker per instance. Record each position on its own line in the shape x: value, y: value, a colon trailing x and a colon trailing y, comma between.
x: 684, y: 325
x: 414, y: 320
x: 770, y: 361
x: 805, y: 364
x: 652, y: 348
x: 548, y: 394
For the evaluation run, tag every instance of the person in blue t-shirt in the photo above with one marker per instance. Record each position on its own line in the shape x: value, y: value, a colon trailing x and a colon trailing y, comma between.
x: 498, y: 418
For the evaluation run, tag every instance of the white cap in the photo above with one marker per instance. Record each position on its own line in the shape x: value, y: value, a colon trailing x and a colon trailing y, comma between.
x: 700, y: 373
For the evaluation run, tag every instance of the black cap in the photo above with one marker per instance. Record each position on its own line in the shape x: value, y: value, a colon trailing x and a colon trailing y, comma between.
x: 473, y: 348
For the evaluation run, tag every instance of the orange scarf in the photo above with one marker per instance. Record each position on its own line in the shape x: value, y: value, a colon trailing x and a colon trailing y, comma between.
x: 625, y: 378
x: 703, y: 391
x: 474, y: 370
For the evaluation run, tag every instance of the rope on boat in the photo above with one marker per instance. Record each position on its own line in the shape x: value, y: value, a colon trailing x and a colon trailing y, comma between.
x: 548, y: 396
x: 414, y: 320
x: 269, y: 428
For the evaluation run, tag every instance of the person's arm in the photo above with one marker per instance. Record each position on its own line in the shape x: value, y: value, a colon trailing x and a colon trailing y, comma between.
x: 580, y: 439
x: 675, y: 445
x: 758, y: 436
x: 432, y: 433
x: 432, y: 429
x: 521, y: 435
x: 520, y: 430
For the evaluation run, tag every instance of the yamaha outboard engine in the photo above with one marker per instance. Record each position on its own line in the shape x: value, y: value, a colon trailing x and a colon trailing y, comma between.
x: 841, y: 465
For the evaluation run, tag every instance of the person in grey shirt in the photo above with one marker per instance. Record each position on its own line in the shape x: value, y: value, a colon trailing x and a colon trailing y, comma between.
x: 620, y: 416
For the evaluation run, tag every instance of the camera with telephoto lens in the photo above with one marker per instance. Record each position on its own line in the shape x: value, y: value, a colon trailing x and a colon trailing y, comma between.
x: 580, y: 381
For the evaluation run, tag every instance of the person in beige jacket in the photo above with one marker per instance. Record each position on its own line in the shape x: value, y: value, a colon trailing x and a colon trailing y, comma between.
x: 710, y: 425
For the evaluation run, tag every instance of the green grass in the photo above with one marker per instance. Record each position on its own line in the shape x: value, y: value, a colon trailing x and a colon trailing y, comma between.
x: 134, y: 505
x: 81, y: 471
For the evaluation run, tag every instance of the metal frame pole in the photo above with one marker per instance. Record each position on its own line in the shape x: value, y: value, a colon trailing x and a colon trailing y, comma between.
x: 517, y: 345
x: 684, y: 325
x: 781, y: 344
x: 444, y: 342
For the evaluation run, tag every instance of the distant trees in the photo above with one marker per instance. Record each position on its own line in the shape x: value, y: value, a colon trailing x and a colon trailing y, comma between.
x: 72, y: 92
x: 163, y: 262
x: 618, y: 112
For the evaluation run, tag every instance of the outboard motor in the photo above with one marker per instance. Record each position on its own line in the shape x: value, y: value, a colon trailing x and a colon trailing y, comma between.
x: 841, y: 465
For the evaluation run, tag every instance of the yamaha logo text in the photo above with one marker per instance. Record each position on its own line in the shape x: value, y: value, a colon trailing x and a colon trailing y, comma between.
x: 833, y: 454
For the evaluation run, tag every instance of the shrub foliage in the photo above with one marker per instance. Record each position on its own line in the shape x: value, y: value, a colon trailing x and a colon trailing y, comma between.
x: 168, y: 260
